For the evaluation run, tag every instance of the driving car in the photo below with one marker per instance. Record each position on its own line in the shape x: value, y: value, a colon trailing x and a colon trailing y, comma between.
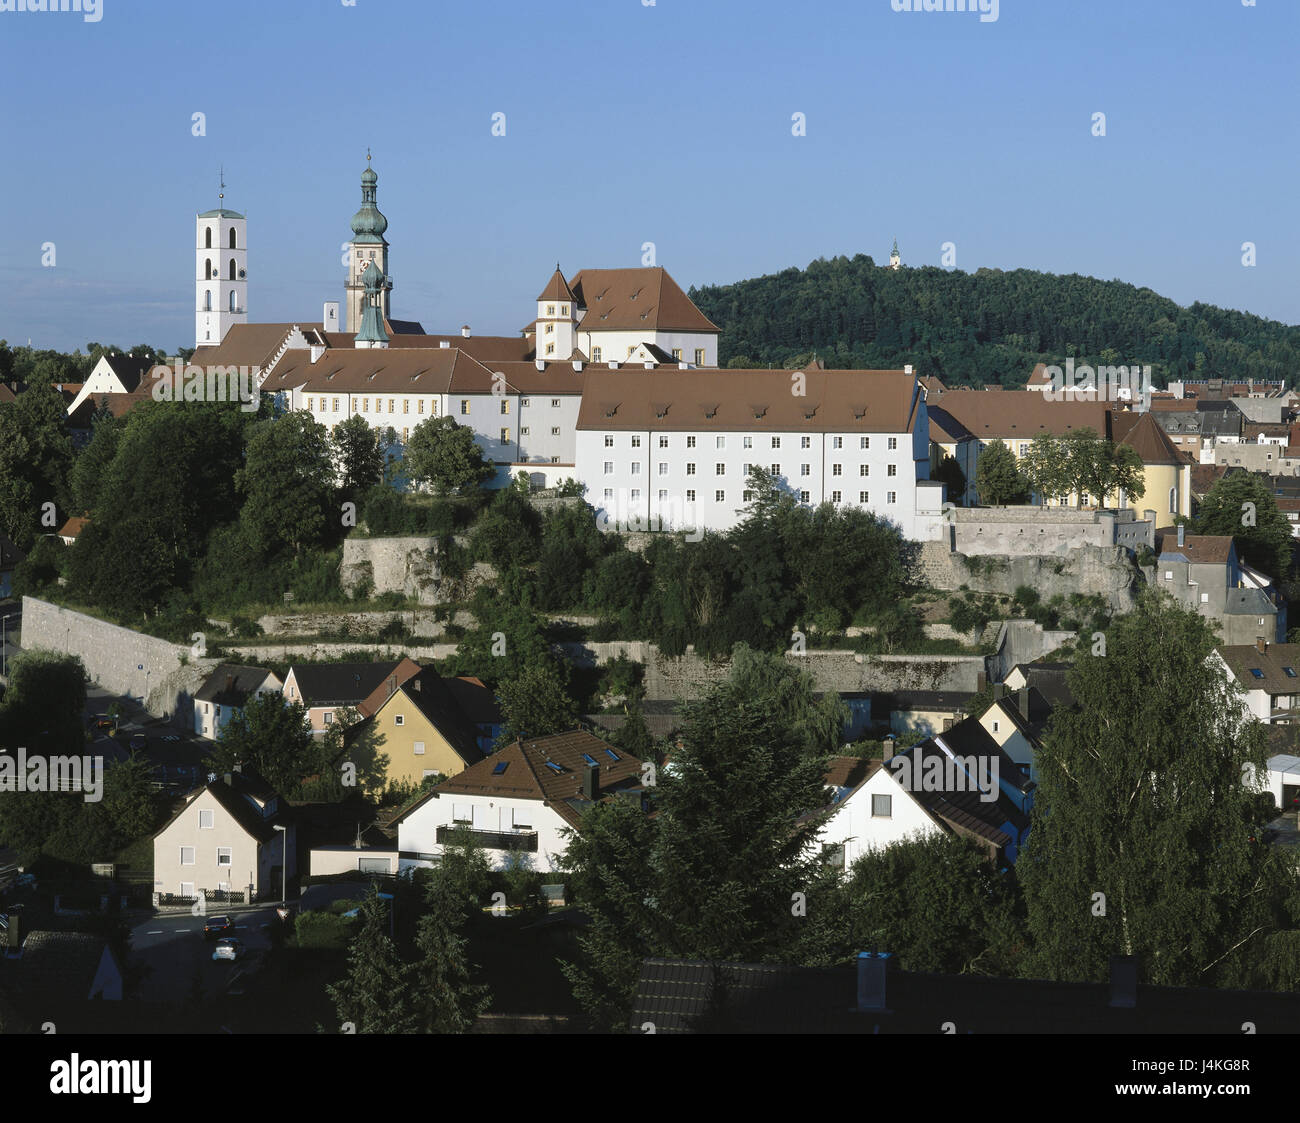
x: 228, y: 949
x: 215, y: 926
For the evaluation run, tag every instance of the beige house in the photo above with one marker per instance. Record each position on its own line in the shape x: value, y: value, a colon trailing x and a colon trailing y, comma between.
x: 226, y: 843
x: 226, y: 692
x: 326, y: 688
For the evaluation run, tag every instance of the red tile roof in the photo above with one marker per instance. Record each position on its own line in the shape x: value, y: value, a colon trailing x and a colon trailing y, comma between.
x: 635, y: 300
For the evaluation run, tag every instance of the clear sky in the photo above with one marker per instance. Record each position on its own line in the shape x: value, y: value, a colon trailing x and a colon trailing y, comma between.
x: 628, y: 122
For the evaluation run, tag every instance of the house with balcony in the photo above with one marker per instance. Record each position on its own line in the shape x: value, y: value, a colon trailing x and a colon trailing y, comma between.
x: 517, y: 802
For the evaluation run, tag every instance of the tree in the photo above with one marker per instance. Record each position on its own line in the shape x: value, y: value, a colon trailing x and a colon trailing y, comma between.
x: 535, y: 702
x: 93, y: 462
x: 1141, y: 834
x: 1241, y: 504
x: 129, y: 798
x: 285, y: 482
x: 949, y: 474
x: 358, y: 455
x: 270, y: 738
x: 444, y: 456
x: 378, y: 994
x: 44, y: 705
x: 997, y: 479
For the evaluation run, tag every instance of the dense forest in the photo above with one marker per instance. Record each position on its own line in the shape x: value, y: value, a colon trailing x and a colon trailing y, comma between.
x: 989, y: 326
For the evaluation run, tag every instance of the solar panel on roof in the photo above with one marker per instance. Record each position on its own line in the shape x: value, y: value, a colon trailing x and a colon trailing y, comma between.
x: 500, y: 768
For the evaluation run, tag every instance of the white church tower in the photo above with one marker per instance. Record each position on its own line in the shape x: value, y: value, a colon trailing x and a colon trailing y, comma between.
x: 221, y: 272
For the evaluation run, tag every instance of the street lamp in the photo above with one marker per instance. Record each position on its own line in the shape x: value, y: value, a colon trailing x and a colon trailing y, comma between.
x: 284, y: 863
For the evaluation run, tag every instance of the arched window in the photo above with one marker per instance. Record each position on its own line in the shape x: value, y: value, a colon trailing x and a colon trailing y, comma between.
x: 1173, y: 500
x: 232, y: 237
x: 232, y: 301
x: 232, y: 268
x: 207, y: 270
x: 207, y: 238
x: 207, y: 301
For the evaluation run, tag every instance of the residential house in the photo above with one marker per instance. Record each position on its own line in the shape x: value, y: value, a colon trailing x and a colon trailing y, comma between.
x: 921, y: 712
x: 1016, y: 721
x: 1269, y: 673
x: 424, y: 730
x: 226, y: 691
x: 1201, y: 571
x: 225, y: 843
x: 959, y: 781
x: 518, y: 802
x: 71, y: 530
x: 1050, y: 679
x: 326, y: 688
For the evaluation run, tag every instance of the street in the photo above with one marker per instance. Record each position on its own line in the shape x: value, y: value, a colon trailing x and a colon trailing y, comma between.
x: 171, y: 947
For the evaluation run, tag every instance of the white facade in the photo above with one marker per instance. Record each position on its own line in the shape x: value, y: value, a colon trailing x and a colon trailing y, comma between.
x: 220, y: 275
x: 417, y: 832
x: 697, y: 480
x: 696, y: 349
x: 863, y: 822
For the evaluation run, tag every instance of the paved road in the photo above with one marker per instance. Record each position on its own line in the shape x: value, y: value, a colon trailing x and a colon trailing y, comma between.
x: 171, y: 946
x: 177, y: 756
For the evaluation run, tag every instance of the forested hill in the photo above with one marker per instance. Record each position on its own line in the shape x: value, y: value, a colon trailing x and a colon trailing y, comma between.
x: 989, y: 326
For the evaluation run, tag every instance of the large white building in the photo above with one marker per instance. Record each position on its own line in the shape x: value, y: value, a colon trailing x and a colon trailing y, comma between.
x: 673, y: 449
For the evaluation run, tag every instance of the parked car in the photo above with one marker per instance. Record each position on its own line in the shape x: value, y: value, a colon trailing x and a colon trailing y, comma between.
x: 216, y: 926
x: 139, y: 741
x: 228, y: 949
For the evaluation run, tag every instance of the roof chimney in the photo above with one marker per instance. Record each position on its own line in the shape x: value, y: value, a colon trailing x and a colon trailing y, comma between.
x: 591, y: 782
x: 1123, y: 981
x: 1022, y: 701
x: 887, y: 752
x: 999, y: 691
x: 1261, y: 645
x: 1182, y: 534
x: 229, y: 779
x: 872, y: 974
x: 464, y: 330
x: 907, y: 369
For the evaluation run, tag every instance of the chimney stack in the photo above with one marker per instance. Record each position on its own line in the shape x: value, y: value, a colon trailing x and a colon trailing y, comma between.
x: 591, y: 782
x: 1022, y: 701
x: 999, y: 691
x: 887, y: 753
x: 1123, y: 981
x: 464, y: 330
x: 1261, y: 645
x: 873, y: 968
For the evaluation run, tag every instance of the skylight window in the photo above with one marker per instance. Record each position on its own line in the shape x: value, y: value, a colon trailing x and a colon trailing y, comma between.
x: 500, y: 768
x: 1256, y: 672
x: 611, y: 754
x: 589, y: 759
x: 554, y: 767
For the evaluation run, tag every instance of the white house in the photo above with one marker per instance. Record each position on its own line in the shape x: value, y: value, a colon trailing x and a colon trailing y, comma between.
x: 517, y: 802
x: 672, y: 449
x: 959, y: 781
x: 1269, y: 673
x: 112, y: 374
x: 226, y: 691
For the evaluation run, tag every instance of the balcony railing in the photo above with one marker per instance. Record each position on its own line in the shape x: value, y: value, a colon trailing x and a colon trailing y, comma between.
x: 491, y: 840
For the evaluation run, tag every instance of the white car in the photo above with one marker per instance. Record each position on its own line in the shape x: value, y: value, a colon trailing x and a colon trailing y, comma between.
x: 228, y: 948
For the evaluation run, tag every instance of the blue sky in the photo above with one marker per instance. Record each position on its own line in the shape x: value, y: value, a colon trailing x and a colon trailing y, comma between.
x: 628, y: 123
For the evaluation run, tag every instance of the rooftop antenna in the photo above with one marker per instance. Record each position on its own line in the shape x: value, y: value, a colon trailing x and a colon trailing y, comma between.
x: 221, y: 192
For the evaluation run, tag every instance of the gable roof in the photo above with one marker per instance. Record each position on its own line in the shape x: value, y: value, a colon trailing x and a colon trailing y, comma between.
x: 645, y: 299
x: 338, y: 684
x: 73, y: 527
x: 234, y: 798
x: 1199, y: 549
x: 427, y: 693
x: 1143, y: 434
x: 1022, y: 414
x: 1244, y: 660
x: 944, y: 428
x: 866, y: 401
x: 230, y: 684
x: 406, y: 667
x: 527, y: 775
x: 128, y: 368
x: 474, y: 699
x: 1038, y: 705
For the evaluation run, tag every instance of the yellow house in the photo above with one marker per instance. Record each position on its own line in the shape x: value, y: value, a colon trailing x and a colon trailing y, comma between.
x: 425, y: 730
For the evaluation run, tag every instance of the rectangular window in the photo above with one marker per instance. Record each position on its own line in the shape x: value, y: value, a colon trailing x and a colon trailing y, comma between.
x: 636, y: 494
x: 419, y: 406
x: 524, y: 403
x: 399, y: 719
x: 749, y: 442
x: 663, y: 467
x: 663, y: 495
x: 864, y: 442
x: 690, y: 442
x: 882, y: 806
x: 505, y: 405
x: 804, y: 497
x: 893, y: 442
x: 309, y: 405
x: 464, y: 406
x: 555, y: 430
x: 677, y: 354
x: 521, y: 819
x: 595, y: 354
x: 505, y: 436
x: 609, y: 467
x: 187, y: 855
x: 406, y: 405
x: 418, y: 748
x: 837, y: 469
x: 837, y: 442
x: 864, y: 497
x: 776, y: 469
x: 365, y: 405
x: 224, y: 856
x: 690, y: 495
x: 747, y: 496
x: 206, y: 820
x: 609, y: 440
x: 835, y: 496
x: 805, y: 469
x: 636, y: 467
x: 392, y: 405
x: 720, y: 442
x: 776, y: 442
x: 805, y: 442
x: 719, y: 496
x: 555, y: 403
x: 636, y: 442
x: 406, y: 435
x: 609, y: 493
x: 892, y: 470
x: 690, y: 469
x: 719, y: 469
x: 699, y: 356
x: 523, y: 430
x: 329, y: 717
x: 462, y: 813
x: 891, y: 496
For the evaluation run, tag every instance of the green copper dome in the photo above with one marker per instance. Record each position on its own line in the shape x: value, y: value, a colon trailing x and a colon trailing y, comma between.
x: 368, y: 224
